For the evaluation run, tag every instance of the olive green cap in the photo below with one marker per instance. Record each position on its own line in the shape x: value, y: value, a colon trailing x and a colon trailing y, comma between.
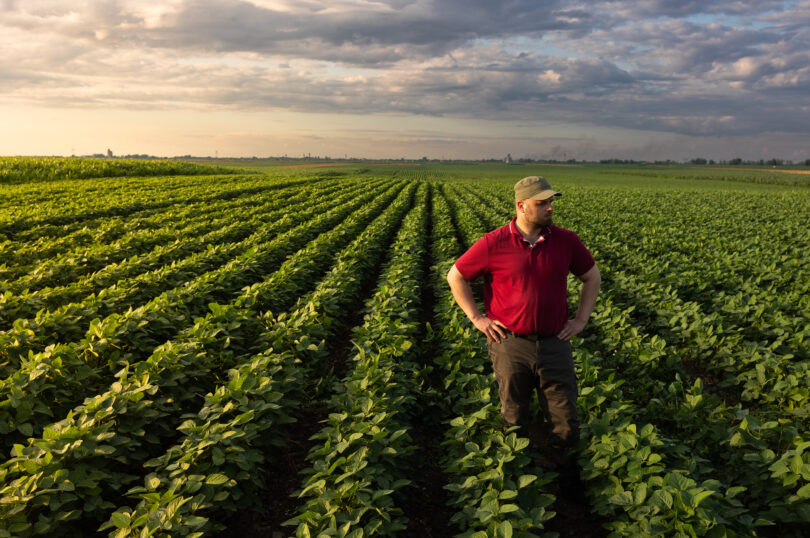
x: 534, y: 188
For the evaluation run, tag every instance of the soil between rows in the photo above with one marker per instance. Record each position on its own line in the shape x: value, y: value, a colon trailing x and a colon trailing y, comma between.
x: 282, y: 478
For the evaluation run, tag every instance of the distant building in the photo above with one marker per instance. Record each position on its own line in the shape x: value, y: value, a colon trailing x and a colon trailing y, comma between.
x: 109, y: 153
x: 508, y: 159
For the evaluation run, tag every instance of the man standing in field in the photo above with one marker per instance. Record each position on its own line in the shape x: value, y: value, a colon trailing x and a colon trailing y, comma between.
x: 525, y: 265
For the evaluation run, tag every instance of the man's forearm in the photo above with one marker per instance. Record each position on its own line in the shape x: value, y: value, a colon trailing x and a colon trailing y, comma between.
x: 463, y: 294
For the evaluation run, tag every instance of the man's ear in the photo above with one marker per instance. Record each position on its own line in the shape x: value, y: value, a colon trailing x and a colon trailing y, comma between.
x: 519, y: 206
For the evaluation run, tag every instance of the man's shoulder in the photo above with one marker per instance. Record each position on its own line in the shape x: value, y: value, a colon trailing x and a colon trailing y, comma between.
x: 499, y: 234
x: 506, y: 229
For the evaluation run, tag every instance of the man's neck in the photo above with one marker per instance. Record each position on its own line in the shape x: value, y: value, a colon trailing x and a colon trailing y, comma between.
x: 530, y: 232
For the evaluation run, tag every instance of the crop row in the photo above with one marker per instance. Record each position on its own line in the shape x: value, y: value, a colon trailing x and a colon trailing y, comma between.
x: 80, y: 208
x: 30, y: 169
x: 102, y: 215
x: 698, y: 433
x: 135, y: 417
x: 119, y: 238
x: 360, y: 460
x: 65, y: 265
x: 212, y: 470
x: 56, y: 378
x: 143, y: 276
x: 766, y: 295
x: 179, y: 305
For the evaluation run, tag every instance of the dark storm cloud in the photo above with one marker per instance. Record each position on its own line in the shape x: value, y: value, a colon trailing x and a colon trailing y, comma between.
x: 355, y: 36
x: 452, y: 90
x: 688, y: 48
x: 680, y: 8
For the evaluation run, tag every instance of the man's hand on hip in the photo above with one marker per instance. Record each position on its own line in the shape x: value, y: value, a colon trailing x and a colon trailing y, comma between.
x: 572, y: 328
x: 494, y: 330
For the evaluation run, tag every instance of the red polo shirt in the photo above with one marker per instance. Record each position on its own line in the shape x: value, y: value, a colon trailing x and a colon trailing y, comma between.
x: 525, y: 286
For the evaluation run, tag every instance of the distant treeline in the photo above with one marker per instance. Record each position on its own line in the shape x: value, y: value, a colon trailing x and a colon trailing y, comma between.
x: 760, y: 162
x: 701, y: 160
x: 697, y: 161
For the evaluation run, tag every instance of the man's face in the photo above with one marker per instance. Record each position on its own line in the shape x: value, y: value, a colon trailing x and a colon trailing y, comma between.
x: 537, y: 212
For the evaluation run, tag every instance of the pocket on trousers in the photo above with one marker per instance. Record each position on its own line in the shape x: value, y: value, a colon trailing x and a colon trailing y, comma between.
x: 495, y: 348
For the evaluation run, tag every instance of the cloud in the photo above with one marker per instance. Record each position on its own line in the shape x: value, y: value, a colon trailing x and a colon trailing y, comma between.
x: 311, y: 30
x: 695, y: 68
x: 635, y: 9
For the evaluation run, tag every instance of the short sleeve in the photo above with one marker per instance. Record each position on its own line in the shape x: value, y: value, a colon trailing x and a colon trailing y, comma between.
x: 581, y: 258
x: 474, y: 263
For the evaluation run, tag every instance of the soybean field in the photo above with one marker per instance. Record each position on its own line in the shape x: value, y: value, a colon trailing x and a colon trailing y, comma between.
x: 197, y: 350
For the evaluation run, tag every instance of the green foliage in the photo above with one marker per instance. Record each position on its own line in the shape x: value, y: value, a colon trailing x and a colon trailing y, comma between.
x: 15, y: 170
x: 617, y: 346
x: 158, y: 334
x: 362, y: 451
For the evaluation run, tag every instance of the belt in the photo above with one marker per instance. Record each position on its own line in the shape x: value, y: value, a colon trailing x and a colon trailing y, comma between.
x: 528, y: 336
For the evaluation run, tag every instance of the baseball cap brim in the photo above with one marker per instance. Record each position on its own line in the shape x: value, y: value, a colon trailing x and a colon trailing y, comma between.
x: 544, y: 195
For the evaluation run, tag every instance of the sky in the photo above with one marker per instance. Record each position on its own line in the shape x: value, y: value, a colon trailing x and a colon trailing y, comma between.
x: 451, y: 79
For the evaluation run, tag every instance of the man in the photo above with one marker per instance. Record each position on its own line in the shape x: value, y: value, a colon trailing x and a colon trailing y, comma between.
x: 525, y: 266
